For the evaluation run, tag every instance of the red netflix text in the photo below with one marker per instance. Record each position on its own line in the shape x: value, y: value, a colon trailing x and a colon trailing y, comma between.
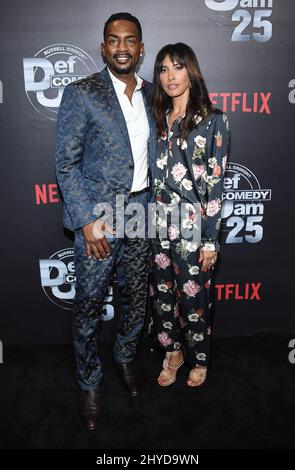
x: 46, y: 194
x: 257, y: 102
x: 248, y: 291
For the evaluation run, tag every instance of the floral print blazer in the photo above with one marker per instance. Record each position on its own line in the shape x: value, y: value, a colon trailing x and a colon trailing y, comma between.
x: 192, y: 170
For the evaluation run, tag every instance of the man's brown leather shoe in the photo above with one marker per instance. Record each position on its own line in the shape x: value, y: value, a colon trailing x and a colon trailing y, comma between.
x: 128, y: 377
x: 90, y: 404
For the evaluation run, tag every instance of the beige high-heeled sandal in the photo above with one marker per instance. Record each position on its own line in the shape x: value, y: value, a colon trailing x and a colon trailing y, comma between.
x: 168, y: 374
x: 197, y: 376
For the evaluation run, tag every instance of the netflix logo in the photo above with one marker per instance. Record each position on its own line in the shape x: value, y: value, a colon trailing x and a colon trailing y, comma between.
x: 257, y: 102
x: 46, y: 194
x: 247, y: 291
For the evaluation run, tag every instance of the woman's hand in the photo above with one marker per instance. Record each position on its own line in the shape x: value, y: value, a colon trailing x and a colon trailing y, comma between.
x: 208, y: 259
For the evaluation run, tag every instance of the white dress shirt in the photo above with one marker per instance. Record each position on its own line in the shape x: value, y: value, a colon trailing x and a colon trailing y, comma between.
x: 138, y: 129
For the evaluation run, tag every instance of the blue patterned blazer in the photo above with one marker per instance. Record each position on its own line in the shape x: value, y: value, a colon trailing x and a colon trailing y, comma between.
x: 94, y: 159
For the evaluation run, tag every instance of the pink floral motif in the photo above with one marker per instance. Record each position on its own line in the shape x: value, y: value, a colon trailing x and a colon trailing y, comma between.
x: 178, y: 171
x: 191, y: 288
x: 162, y: 260
x: 198, y: 170
x: 164, y: 339
x: 213, y: 207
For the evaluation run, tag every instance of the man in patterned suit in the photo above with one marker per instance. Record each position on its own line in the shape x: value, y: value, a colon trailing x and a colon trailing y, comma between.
x: 105, y: 147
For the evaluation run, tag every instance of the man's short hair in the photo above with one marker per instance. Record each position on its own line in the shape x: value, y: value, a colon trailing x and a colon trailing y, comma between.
x: 123, y: 16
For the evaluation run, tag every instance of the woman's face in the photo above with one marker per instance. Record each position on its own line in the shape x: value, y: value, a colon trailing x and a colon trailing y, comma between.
x: 174, y: 78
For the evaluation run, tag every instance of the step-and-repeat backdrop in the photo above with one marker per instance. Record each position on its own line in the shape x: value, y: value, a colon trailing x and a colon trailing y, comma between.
x: 245, y: 49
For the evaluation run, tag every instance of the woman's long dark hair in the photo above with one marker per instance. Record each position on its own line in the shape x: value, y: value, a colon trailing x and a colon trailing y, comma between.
x: 198, y: 103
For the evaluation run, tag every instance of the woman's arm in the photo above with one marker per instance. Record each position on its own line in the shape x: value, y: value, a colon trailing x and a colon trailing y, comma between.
x: 217, y: 149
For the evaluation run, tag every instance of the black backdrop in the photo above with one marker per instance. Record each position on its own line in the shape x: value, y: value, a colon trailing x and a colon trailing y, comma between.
x: 245, y: 49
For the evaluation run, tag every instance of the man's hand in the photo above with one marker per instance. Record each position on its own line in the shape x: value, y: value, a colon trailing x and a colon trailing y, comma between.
x: 95, y: 240
x: 208, y: 259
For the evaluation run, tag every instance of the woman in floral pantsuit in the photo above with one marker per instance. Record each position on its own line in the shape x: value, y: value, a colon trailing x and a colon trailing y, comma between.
x: 191, y: 157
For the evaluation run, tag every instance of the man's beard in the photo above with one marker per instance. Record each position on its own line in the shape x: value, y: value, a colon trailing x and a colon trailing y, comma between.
x: 124, y: 71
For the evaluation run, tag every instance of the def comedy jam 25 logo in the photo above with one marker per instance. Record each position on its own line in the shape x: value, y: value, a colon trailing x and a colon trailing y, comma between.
x: 252, y: 17
x: 58, y: 277
x: 49, y: 71
x: 243, y: 205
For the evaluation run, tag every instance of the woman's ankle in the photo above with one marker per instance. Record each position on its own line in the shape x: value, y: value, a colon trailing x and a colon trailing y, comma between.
x: 175, y: 358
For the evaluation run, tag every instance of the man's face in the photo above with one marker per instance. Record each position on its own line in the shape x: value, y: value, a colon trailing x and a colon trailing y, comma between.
x: 122, y: 47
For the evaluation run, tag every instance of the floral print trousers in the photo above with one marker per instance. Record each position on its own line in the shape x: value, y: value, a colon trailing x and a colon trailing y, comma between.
x: 181, y: 300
